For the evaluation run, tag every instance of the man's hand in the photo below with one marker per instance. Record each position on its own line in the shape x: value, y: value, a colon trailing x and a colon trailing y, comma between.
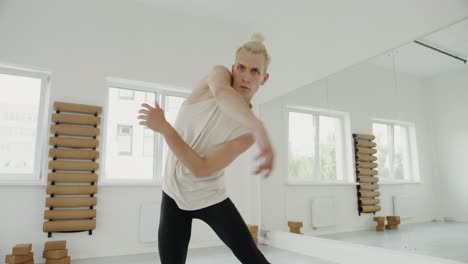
x: 266, y: 151
x: 153, y: 118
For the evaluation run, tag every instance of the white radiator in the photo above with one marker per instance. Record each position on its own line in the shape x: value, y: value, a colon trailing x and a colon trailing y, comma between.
x: 323, y: 212
x: 403, y: 206
x: 149, y: 222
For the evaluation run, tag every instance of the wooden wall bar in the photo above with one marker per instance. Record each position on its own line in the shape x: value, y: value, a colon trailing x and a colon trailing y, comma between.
x: 72, y: 181
x: 366, y: 173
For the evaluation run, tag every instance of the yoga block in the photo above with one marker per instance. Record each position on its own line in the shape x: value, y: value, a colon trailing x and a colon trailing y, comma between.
x: 55, y: 254
x: 253, y: 227
x: 391, y: 227
x: 65, y: 260
x: 13, y: 259
x: 55, y: 245
x: 295, y: 224
x: 22, y: 249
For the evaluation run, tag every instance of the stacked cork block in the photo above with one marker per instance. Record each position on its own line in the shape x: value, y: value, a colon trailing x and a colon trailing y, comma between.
x: 295, y: 227
x: 55, y: 252
x: 380, y: 223
x: 72, y: 181
x: 366, y: 173
x: 254, y: 232
x: 21, y: 253
x: 392, y: 222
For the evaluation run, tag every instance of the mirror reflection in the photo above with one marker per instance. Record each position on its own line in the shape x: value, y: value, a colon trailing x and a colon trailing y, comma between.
x: 412, y: 101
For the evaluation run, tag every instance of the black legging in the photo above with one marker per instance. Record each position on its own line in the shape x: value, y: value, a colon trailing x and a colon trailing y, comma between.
x: 175, y: 228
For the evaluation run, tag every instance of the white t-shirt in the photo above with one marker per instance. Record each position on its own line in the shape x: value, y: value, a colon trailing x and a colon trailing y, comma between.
x: 202, y: 126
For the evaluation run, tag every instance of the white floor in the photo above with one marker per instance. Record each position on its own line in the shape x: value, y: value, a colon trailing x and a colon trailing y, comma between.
x: 216, y: 255
x: 444, y: 240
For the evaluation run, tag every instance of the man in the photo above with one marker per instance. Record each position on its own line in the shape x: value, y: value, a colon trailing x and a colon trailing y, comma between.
x: 211, y: 130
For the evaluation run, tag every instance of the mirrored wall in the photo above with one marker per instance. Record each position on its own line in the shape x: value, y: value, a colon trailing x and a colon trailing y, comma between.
x: 414, y: 101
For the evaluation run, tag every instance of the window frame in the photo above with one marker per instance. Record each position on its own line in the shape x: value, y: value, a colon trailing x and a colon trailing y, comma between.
x: 412, y: 149
x: 161, y: 91
x: 344, y: 117
x: 38, y: 176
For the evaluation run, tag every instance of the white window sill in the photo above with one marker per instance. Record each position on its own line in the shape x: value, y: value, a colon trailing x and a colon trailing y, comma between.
x: 21, y: 183
x: 382, y: 182
x: 106, y: 184
x: 129, y: 184
x: 318, y: 183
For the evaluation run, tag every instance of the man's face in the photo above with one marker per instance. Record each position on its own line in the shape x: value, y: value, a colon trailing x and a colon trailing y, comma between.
x: 248, y: 74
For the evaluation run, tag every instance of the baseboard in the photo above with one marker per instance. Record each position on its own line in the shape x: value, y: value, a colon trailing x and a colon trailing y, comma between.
x: 148, y: 249
x: 449, y: 219
x: 416, y: 220
x: 456, y: 219
x: 329, y: 231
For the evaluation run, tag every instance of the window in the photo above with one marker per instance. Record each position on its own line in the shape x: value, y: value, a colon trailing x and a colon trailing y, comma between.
x: 126, y: 94
x: 22, y: 123
x: 148, y: 142
x: 135, y: 153
x: 150, y: 98
x: 124, y: 140
x: 317, y: 146
x: 395, y: 150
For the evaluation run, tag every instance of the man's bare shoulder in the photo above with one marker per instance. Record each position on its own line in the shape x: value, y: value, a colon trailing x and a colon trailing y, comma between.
x: 220, y: 70
x: 201, y: 91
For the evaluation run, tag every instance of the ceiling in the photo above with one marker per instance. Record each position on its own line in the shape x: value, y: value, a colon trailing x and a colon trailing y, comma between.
x: 311, y: 39
x: 308, y: 39
x: 423, y: 62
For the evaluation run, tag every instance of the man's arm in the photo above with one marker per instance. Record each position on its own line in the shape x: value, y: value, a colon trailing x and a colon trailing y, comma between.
x: 216, y: 159
x: 232, y: 103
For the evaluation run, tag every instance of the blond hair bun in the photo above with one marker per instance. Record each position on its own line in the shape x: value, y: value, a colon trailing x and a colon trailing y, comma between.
x: 257, y: 37
x: 255, y: 45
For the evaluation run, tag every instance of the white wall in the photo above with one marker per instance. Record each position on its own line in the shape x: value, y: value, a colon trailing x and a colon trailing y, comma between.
x: 365, y: 91
x: 448, y: 96
x: 81, y: 44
